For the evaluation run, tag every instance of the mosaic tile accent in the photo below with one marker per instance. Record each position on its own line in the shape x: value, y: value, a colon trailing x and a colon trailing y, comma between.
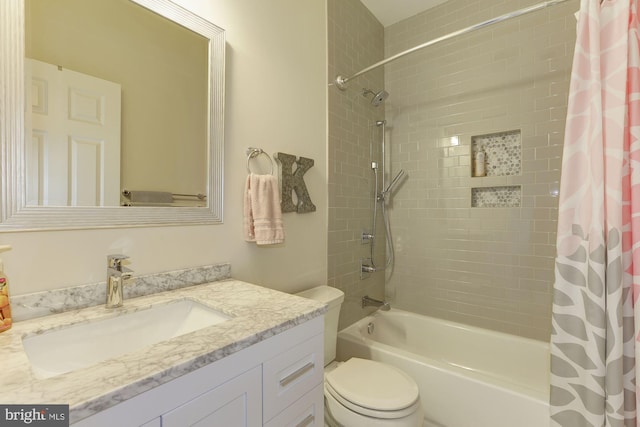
x: 496, y: 197
x: 503, y: 152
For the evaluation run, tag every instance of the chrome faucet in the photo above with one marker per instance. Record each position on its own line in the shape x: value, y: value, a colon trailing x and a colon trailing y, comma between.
x: 117, y: 276
x: 367, y: 301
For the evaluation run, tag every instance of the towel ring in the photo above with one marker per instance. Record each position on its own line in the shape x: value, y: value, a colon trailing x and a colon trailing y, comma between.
x: 254, y: 152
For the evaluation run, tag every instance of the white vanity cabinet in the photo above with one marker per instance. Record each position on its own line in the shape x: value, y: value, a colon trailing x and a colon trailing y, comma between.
x: 276, y: 382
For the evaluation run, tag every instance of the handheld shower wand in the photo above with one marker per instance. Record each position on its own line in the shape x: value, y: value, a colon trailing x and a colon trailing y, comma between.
x: 390, y: 187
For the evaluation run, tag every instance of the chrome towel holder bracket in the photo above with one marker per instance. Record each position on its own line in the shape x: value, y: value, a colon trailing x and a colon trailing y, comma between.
x: 253, y: 152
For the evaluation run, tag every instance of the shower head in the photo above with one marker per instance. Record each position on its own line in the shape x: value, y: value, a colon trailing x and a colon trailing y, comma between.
x: 378, y: 98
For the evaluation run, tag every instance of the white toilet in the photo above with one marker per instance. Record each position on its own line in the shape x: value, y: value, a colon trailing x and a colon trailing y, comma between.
x: 360, y: 392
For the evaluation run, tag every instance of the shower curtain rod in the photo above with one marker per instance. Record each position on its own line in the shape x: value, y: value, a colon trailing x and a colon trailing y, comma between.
x: 341, y: 81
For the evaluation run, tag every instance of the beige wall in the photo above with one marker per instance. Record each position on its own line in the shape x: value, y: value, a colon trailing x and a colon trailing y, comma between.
x: 356, y: 40
x: 162, y: 70
x: 275, y: 99
x: 491, y: 267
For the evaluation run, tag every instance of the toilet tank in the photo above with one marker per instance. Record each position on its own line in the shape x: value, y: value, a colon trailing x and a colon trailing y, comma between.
x: 333, y: 298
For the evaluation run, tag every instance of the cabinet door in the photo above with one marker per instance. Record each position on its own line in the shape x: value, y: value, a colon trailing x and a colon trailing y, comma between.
x: 238, y: 402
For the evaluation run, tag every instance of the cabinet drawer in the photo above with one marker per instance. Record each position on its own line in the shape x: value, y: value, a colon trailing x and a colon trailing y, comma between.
x: 308, y: 411
x: 291, y: 375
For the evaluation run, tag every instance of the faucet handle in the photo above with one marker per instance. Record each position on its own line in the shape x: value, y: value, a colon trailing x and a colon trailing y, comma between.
x: 115, y: 261
x: 127, y: 276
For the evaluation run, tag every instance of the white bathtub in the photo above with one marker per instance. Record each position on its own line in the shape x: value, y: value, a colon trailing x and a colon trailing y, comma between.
x: 468, y: 377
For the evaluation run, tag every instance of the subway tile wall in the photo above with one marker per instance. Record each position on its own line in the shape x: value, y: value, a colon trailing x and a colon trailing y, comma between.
x: 485, y: 266
x: 355, y: 41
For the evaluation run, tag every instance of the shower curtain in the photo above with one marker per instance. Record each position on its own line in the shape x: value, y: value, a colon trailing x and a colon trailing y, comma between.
x: 595, y: 321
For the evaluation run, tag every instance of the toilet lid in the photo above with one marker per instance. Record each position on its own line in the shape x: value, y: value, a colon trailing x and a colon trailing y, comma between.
x: 373, y: 385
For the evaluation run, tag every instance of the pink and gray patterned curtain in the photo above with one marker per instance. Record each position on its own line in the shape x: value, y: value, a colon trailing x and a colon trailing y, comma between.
x: 595, y: 341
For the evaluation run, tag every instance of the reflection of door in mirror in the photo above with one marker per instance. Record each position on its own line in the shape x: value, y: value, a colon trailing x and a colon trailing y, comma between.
x: 74, y: 156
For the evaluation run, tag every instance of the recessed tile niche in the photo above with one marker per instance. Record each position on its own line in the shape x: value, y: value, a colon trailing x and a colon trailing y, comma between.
x: 503, y: 157
x: 503, y: 152
x: 496, y: 197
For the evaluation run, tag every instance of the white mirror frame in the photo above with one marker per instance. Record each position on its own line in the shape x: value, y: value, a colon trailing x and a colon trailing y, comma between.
x: 16, y: 216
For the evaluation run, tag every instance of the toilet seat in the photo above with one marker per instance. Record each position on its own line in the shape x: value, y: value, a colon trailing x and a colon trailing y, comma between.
x: 373, y: 389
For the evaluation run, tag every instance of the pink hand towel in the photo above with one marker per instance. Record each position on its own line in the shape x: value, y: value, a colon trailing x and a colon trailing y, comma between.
x: 262, y: 213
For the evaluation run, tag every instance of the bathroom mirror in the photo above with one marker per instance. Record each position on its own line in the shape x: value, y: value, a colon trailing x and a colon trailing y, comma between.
x: 21, y: 211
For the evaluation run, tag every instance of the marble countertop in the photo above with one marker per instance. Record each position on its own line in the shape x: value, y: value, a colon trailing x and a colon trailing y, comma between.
x: 258, y: 313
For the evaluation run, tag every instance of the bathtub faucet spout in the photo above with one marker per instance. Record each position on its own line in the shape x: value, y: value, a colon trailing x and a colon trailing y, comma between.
x: 367, y: 301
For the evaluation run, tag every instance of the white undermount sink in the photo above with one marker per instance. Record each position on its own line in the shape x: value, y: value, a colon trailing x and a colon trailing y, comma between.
x: 77, y: 346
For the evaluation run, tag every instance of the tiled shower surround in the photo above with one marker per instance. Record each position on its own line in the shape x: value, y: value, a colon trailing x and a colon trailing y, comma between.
x: 487, y: 266
x: 490, y: 267
x: 356, y: 40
